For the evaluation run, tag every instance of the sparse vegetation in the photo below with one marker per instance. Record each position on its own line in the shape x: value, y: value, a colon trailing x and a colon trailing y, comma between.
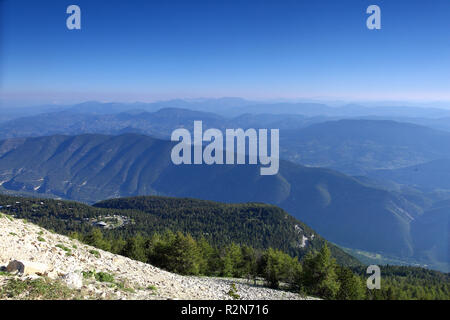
x: 88, y: 274
x: 95, y: 253
x: 38, y: 289
x: 63, y: 247
x: 104, y: 277
x: 233, y: 292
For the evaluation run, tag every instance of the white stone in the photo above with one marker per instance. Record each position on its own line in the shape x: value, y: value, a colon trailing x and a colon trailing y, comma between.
x: 73, y: 280
x: 27, y: 267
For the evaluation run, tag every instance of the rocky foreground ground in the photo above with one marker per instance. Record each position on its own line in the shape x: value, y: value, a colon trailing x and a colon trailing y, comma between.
x: 83, y: 272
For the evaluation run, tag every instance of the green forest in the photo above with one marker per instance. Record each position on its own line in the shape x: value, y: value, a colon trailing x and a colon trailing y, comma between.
x: 258, y: 225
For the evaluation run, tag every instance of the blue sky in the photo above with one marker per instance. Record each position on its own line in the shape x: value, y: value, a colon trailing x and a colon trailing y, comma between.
x: 151, y: 50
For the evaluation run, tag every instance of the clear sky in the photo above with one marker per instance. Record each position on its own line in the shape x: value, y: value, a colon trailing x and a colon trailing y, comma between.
x: 256, y: 49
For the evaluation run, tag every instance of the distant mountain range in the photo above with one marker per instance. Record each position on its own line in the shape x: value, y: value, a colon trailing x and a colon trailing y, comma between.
x: 95, y: 167
x: 233, y: 106
x: 160, y: 123
x: 353, y: 146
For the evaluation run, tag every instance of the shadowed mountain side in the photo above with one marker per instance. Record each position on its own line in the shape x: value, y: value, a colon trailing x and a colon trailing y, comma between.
x: 425, y: 176
x: 95, y: 167
x: 432, y: 234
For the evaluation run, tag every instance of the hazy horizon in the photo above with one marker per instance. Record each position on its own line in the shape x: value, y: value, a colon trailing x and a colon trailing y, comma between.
x: 329, y: 102
x: 294, y: 50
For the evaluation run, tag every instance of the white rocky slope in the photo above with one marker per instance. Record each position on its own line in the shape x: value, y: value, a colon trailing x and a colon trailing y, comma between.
x: 32, y: 244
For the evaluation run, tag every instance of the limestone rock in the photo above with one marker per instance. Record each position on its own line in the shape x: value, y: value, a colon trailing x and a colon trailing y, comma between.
x: 73, y: 280
x: 53, y: 275
x: 27, y: 267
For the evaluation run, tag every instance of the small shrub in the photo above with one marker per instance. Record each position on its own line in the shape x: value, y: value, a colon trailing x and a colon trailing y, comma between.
x: 42, y: 288
x: 88, y: 274
x: 63, y: 247
x: 104, y: 277
x: 95, y: 253
x: 123, y: 287
x: 233, y: 292
x: 41, y: 239
x: 128, y: 289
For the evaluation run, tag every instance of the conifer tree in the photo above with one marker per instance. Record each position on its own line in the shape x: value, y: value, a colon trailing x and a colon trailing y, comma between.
x: 351, y: 286
x: 319, y: 274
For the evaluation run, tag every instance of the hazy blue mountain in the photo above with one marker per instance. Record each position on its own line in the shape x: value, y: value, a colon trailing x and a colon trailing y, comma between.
x: 275, y: 121
x: 426, y: 176
x: 220, y: 106
x: 435, y: 123
x: 231, y: 107
x: 432, y: 234
x: 359, y: 146
x: 96, y: 167
x: 349, y: 110
x: 10, y: 113
x: 160, y: 123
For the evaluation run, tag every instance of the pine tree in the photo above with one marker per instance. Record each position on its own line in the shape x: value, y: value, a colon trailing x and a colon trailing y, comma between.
x: 185, y: 255
x: 207, y: 265
x: 351, y: 286
x: 319, y: 274
x: 248, y: 265
x: 135, y: 248
x: 96, y: 239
